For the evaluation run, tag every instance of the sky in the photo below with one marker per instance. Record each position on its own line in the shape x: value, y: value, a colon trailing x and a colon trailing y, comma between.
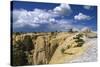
x: 50, y: 17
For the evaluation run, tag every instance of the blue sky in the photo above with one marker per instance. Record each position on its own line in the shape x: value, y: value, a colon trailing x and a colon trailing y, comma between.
x: 48, y: 17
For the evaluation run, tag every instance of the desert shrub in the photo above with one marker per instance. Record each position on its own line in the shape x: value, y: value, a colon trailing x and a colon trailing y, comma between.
x: 80, y: 44
x: 68, y: 47
x: 62, y: 50
x: 79, y: 35
x: 79, y: 40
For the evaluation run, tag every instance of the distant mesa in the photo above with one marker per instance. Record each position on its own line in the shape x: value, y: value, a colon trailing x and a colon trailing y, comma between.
x: 89, y: 33
x: 86, y: 30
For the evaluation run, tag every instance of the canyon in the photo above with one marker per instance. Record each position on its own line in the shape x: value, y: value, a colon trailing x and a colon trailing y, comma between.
x: 48, y: 47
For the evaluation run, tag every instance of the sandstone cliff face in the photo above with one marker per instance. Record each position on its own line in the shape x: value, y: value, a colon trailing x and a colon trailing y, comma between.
x: 39, y: 52
x: 38, y: 48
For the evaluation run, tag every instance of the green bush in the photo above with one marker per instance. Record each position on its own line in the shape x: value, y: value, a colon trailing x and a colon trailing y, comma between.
x: 79, y: 40
x: 69, y: 46
x: 62, y: 50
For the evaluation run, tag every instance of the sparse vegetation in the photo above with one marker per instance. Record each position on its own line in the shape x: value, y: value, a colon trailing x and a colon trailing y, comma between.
x: 62, y: 50
x: 69, y: 46
x: 79, y: 40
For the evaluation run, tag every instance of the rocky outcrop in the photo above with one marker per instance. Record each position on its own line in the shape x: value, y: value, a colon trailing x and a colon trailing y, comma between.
x: 38, y: 48
x: 86, y: 30
x: 39, y: 51
x: 89, y: 33
x: 43, y: 48
x: 47, y: 48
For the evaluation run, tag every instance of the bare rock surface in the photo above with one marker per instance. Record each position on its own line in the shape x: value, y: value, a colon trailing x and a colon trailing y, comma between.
x: 91, y: 53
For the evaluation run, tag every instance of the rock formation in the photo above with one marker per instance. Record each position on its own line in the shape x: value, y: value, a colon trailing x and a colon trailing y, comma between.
x: 39, y: 48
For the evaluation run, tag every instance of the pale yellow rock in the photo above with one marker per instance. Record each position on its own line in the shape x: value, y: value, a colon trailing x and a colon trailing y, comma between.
x: 69, y: 54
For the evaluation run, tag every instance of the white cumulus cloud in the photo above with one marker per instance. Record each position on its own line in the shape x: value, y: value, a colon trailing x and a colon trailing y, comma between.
x: 82, y: 16
x: 61, y: 25
x: 32, y: 18
x: 87, y: 7
x: 36, y: 17
x: 63, y: 9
